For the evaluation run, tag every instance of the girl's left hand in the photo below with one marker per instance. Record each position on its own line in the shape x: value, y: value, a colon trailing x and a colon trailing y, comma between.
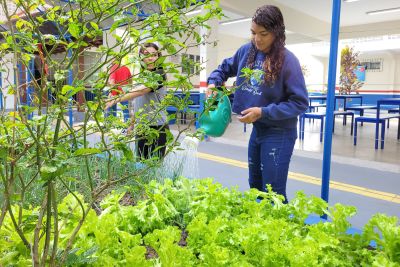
x: 250, y: 115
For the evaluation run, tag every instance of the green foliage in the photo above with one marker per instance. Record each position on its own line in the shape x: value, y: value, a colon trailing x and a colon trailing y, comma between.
x: 221, y: 228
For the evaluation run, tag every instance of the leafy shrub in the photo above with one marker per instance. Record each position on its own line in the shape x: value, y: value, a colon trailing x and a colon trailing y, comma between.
x: 201, y: 223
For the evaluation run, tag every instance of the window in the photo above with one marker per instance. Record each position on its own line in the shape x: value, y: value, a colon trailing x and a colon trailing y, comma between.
x: 373, y: 65
x: 190, y: 64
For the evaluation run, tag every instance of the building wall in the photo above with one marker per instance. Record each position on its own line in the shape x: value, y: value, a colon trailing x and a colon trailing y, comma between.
x: 380, y: 81
x: 227, y: 46
x: 378, y: 84
x: 7, y: 79
x: 396, y: 85
x: 315, y: 74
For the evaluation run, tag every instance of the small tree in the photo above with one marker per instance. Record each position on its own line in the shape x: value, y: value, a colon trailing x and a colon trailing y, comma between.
x: 348, y: 64
x: 39, y: 153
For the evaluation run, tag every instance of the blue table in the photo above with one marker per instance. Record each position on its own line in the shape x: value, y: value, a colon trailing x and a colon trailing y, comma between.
x: 345, y: 97
x: 312, y: 98
x: 337, y: 97
x: 385, y: 101
x: 321, y: 102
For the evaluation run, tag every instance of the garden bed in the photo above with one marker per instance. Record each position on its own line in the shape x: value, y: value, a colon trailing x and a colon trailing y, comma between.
x: 201, y: 223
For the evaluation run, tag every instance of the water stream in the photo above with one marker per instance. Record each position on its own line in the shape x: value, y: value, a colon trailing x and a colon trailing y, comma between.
x: 182, y: 161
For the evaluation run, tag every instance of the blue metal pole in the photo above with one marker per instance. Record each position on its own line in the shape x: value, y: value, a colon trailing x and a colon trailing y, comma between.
x: 29, y: 78
x: 326, y: 163
x: 70, y: 79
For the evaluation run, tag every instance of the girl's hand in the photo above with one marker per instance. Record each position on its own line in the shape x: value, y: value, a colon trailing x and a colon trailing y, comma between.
x: 250, y: 115
x: 210, y: 92
x: 109, y: 104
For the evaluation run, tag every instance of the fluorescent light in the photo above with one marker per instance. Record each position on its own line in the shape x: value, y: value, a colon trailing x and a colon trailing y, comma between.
x: 349, y: 1
x: 193, y: 12
x: 382, y: 11
x: 235, y: 21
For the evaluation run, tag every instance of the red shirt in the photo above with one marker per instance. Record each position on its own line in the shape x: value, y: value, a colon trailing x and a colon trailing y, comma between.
x: 121, y: 76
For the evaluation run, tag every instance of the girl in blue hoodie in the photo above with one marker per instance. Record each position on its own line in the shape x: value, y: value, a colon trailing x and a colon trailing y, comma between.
x: 271, y: 99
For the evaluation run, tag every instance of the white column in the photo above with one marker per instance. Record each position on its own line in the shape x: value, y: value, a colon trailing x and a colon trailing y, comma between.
x: 8, y: 79
x: 208, y: 52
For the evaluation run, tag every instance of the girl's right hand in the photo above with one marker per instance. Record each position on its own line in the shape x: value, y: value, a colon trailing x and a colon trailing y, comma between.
x: 210, y: 92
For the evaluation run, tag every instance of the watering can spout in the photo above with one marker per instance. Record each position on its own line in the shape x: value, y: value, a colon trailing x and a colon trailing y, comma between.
x: 217, y: 115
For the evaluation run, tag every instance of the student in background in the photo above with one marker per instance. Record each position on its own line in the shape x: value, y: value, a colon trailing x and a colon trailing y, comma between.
x: 148, y: 100
x: 119, y: 76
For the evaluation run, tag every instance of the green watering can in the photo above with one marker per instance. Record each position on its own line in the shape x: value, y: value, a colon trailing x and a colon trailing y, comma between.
x: 216, y: 120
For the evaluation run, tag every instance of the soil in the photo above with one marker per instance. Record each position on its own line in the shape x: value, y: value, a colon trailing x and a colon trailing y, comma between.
x: 151, y: 253
x: 184, y: 236
x: 127, y: 200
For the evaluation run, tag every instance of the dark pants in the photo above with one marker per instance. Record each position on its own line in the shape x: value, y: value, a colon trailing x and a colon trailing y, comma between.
x: 145, y: 150
x: 113, y: 111
x: 270, y: 150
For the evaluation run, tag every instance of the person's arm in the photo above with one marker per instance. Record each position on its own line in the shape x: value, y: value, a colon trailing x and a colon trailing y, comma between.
x: 136, y: 92
x: 227, y: 69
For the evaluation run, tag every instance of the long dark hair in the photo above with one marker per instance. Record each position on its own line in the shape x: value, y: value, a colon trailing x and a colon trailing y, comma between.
x: 270, y: 17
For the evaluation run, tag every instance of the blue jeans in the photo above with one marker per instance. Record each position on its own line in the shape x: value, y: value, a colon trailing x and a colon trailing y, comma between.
x: 113, y: 111
x: 270, y: 150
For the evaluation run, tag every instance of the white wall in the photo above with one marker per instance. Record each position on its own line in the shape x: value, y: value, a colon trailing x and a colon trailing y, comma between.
x: 316, y: 66
x: 227, y: 46
x: 314, y: 76
x: 7, y: 80
x: 386, y: 80
x: 396, y: 85
x: 380, y: 80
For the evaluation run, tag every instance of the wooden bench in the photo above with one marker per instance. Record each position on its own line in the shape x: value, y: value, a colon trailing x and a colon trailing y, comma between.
x: 321, y: 116
x: 382, y: 121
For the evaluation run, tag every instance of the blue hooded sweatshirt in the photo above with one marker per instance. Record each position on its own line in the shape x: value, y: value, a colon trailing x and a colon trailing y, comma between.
x: 281, y: 102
